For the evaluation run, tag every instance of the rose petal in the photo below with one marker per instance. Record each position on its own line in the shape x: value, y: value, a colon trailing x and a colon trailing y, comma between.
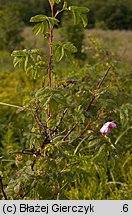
x: 106, y: 128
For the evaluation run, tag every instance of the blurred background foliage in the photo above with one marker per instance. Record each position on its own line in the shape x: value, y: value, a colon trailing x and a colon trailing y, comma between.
x: 110, y: 14
x: 92, y: 167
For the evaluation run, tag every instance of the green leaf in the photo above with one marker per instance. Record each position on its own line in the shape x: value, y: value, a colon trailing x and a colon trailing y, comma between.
x: 84, y: 19
x: 75, y: 16
x: 26, y: 62
x: 16, y: 61
x: 29, y: 60
x: 59, y: 53
x: 19, y: 53
x: 57, y: 1
x: 68, y: 55
x: 64, y: 49
x: 79, y: 13
x: 70, y: 47
x: 41, y: 28
x: 52, y: 2
x: 38, y: 18
x: 43, y: 23
x: 19, y: 57
x: 52, y: 21
x: 79, y: 9
x: 65, y: 6
x: 37, y: 28
x: 43, y: 92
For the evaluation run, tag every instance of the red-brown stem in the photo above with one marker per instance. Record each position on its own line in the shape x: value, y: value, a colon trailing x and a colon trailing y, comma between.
x: 98, y: 87
x: 69, y: 132
x: 2, y: 188
x: 50, y: 58
x: 81, y: 133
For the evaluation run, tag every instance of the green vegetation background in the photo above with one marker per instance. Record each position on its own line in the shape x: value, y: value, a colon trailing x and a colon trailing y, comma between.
x: 92, y: 168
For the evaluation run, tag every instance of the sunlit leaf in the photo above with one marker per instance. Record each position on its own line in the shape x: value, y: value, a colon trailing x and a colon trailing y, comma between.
x: 79, y: 13
x: 38, y: 18
x: 52, y: 2
x: 65, y: 6
x: 70, y: 47
x: 59, y: 53
x: 84, y: 20
x: 53, y: 21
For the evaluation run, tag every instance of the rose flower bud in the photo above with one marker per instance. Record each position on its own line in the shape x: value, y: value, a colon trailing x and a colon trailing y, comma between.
x: 107, y: 127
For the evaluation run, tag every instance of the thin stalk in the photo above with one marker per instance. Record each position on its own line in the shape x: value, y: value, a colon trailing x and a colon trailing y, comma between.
x: 50, y: 58
x: 81, y: 133
x: 69, y: 132
x: 11, y: 105
x: 97, y: 88
x: 2, y: 188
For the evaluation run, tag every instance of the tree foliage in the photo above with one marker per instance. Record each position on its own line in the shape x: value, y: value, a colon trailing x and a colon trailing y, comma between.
x: 110, y: 14
x: 74, y: 34
x: 11, y: 27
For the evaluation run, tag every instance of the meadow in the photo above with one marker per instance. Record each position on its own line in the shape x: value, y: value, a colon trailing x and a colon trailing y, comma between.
x: 82, y: 164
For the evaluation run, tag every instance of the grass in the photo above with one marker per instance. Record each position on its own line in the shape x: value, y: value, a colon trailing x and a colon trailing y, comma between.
x: 115, y: 41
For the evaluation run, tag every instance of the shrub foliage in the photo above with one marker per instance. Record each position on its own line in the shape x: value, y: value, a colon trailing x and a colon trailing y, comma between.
x: 53, y: 148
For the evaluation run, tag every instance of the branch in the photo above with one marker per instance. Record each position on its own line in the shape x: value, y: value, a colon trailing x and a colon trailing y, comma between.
x: 2, y: 188
x: 97, y: 88
x: 60, y: 121
x: 69, y: 132
x: 59, y: 11
x: 38, y: 121
x: 50, y: 58
x: 42, y: 128
x: 81, y: 133
x: 103, y: 78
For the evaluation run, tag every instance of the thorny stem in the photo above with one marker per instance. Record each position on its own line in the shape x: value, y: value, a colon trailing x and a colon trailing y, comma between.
x: 97, y: 88
x: 50, y: 58
x: 2, y: 188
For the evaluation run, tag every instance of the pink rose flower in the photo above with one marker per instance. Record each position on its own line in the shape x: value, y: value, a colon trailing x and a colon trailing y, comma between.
x: 107, y: 127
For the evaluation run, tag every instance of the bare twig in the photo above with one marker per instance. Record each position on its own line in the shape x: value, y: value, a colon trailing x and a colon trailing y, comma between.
x: 38, y: 121
x: 69, y: 132
x: 81, y: 133
x: 60, y: 121
x: 32, y: 166
x: 40, y: 124
x: 97, y: 88
x: 103, y: 78
x: 2, y: 188
x: 59, y: 11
